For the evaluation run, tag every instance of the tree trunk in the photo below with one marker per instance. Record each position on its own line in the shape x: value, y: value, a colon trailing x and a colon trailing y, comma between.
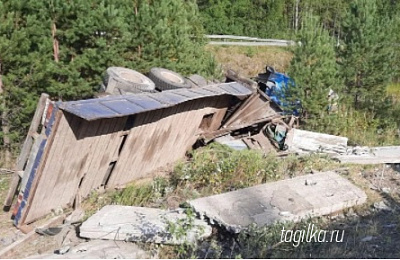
x: 4, y: 125
x: 56, y: 48
x: 296, y: 25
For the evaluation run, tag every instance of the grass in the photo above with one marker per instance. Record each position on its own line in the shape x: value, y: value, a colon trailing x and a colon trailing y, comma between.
x: 359, y: 126
x: 210, y: 170
x: 216, y: 168
x: 249, y: 61
x: 393, y: 90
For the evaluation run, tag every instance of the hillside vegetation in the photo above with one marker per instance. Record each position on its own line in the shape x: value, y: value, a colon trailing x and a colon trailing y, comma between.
x: 63, y: 48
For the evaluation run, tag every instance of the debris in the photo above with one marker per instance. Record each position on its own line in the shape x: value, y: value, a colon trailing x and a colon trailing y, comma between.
x: 142, y: 224
x: 62, y: 251
x: 302, y: 141
x: 8, y: 251
x: 256, y: 109
x: 98, y: 249
x: 358, y: 150
x: 50, y: 231
x: 381, y: 205
x: 367, y: 239
x: 57, y: 211
x: 310, y: 182
x: 236, y: 144
x: 375, y: 155
x: 390, y: 225
x: 96, y: 138
x: 7, y: 171
x: 286, y: 200
x: 75, y: 217
x: 5, y: 241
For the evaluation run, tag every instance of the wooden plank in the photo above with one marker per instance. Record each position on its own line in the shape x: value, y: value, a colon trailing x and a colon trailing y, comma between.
x: 157, y: 147
x: 173, y: 139
x: 86, y: 143
x: 112, y: 144
x: 31, y: 160
x: 64, y: 156
x: 10, y: 251
x: 26, y: 148
x: 129, y: 151
x: 68, y: 177
x: 137, y: 155
x: 131, y: 157
x: 113, y: 179
x: 50, y: 132
x: 49, y: 166
x: 96, y: 152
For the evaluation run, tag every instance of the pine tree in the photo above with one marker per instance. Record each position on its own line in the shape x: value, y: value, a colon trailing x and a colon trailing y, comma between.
x: 367, y: 56
x: 63, y: 48
x: 314, y: 70
x: 168, y: 33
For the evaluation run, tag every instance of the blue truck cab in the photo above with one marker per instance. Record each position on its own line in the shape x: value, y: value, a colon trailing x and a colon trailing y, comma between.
x: 275, y: 85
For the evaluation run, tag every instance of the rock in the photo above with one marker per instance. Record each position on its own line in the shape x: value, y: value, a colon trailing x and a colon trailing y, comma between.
x: 5, y: 241
x: 285, y: 213
x: 390, y: 226
x: 350, y: 213
x: 381, y: 205
x: 385, y: 190
x: 373, y: 187
x: 62, y: 250
x: 309, y: 182
x: 57, y: 211
x: 367, y: 239
x: 76, y: 216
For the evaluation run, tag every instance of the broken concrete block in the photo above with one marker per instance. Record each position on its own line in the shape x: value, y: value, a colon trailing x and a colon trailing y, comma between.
x: 235, y: 144
x: 128, y: 223
x: 302, y: 141
x: 286, y: 200
x: 376, y: 155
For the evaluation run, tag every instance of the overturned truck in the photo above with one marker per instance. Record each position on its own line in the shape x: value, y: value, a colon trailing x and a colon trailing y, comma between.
x: 108, y: 142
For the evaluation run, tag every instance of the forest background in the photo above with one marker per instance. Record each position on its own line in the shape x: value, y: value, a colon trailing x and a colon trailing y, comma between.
x: 63, y: 48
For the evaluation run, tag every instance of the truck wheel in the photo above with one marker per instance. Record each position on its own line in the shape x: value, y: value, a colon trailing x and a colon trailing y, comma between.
x: 119, y: 81
x: 167, y: 79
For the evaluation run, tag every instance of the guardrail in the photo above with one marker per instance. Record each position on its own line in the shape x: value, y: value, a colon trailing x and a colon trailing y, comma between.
x: 247, y: 41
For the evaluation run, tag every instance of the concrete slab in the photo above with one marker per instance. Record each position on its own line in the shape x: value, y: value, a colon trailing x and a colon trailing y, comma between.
x: 127, y: 223
x: 375, y: 155
x: 302, y: 141
x: 287, y: 200
x: 236, y: 144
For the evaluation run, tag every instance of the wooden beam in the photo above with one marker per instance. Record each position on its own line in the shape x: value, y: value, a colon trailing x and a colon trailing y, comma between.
x: 26, y: 148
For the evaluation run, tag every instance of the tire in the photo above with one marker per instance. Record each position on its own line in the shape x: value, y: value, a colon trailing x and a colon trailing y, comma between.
x: 198, y: 81
x: 167, y: 79
x: 120, y: 81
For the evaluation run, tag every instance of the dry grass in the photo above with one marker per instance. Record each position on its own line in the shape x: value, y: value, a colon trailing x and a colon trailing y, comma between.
x: 393, y: 91
x: 249, y: 61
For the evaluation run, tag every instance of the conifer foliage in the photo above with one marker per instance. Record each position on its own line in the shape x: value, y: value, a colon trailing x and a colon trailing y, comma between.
x: 63, y: 47
x: 368, y: 55
x: 314, y: 69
